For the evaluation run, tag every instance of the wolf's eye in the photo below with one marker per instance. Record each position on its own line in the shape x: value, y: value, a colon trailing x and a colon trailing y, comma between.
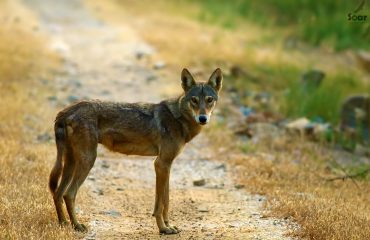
x: 194, y: 100
x: 209, y: 99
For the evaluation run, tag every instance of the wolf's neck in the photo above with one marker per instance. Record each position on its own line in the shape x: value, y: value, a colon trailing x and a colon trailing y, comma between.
x: 190, y: 127
x: 182, y: 114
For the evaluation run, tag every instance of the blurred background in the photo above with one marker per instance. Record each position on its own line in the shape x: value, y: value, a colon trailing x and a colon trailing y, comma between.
x: 295, y: 105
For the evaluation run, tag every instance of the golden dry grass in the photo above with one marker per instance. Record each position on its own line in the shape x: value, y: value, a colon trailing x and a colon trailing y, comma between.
x: 291, y: 172
x: 26, y: 208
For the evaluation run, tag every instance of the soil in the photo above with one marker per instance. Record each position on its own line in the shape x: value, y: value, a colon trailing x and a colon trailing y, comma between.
x: 105, y: 62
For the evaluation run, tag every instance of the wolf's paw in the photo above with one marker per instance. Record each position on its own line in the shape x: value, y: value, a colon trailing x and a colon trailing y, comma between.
x: 80, y: 228
x: 169, y: 230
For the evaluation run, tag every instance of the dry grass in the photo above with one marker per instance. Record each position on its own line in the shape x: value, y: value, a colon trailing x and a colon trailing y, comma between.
x: 26, y: 208
x: 290, y: 172
x: 293, y: 174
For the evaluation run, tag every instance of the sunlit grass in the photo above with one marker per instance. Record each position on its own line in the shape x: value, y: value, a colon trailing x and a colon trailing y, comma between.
x: 26, y: 208
x: 295, y: 178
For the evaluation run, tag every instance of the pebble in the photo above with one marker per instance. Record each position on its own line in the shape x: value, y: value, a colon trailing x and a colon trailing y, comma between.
x: 203, y: 208
x: 105, y: 165
x: 159, y: 65
x: 99, y: 192
x: 72, y: 98
x: 199, y: 183
x: 112, y: 212
x: 221, y: 166
x: 45, y: 137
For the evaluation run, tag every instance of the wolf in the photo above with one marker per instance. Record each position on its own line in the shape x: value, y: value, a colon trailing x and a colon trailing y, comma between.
x: 145, y: 129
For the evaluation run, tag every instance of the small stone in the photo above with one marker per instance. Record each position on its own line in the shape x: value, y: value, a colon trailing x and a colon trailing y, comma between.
x: 78, y: 210
x: 143, y: 52
x: 45, y: 137
x: 239, y: 186
x: 298, y: 124
x: 99, y: 192
x: 151, y: 78
x: 221, y: 166
x: 216, y: 186
x: 120, y: 189
x: 159, y: 65
x: 72, y: 98
x: 105, y: 165
x: 60, y: 46
x: 91, y: 236
x: 246, y: 111
x: 199, y: 183
x: 112, y: 213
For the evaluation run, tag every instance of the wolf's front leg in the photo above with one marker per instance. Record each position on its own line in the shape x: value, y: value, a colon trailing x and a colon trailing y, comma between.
x: 166, y: 206
x: 166, y: 202
x: 162, y: 171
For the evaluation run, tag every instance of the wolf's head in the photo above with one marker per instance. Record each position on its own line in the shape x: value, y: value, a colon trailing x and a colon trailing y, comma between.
x: 201, y: 98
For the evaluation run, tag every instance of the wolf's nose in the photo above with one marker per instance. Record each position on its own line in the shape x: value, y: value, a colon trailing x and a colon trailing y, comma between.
x: 202, y: 119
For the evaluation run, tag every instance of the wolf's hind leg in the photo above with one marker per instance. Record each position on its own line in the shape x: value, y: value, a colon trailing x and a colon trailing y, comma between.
x: 85, y: 159
x: 66, y: 179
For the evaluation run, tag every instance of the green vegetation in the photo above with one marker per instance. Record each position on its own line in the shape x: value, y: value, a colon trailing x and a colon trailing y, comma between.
x: 323, y: 102
x: 313, y: 21
x: 295, y: 100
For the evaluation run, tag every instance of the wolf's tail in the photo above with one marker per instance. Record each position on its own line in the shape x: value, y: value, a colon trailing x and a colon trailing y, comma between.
x: 60, y: 140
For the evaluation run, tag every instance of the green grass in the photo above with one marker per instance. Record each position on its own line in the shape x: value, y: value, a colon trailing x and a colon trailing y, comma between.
x: 323, y: 102
x: 313, y: 21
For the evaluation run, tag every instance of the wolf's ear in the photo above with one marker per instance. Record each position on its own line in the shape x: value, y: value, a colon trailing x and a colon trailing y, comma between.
x: 187, y: 80
x: 215, y: 80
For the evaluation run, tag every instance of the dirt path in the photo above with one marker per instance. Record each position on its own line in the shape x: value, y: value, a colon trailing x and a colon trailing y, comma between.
x: 100, y: 61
